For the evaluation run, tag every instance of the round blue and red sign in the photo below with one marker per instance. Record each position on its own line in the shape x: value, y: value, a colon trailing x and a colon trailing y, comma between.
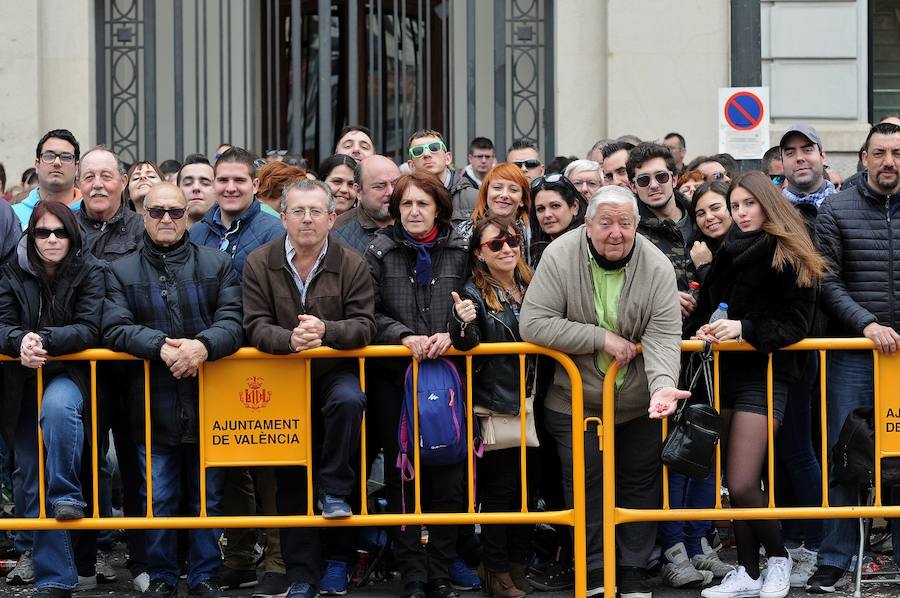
x: 744, y: 111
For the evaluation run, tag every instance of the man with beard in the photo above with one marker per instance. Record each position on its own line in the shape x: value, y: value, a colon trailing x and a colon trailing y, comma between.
x: 859, y: 234
x: 374, y: 178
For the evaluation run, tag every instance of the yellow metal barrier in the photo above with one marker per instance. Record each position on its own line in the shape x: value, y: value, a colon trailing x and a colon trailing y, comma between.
x: 286, y: 400
x: 887, y: 444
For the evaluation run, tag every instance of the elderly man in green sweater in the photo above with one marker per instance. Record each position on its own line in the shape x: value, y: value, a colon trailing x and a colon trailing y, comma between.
x: 599, y: 290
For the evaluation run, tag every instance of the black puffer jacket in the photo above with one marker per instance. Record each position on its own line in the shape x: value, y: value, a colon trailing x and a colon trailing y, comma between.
x: 858, y: 231
x: 22, y: 311
x: 186, y: 291
x: 496, y: 379
x: 668, y: 238
x: 402, y: 307
x: 117, y: 237
x: 774, y: 312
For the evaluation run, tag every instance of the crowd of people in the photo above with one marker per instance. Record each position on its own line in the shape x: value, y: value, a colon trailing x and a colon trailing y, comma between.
x: 185, y: 264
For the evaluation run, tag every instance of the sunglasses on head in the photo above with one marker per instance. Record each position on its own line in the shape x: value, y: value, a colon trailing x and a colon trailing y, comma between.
x: 44, y: 233
x: 417, y: 151
x: 661, y: 177
x: 550, y: 178
x: 497, y: 243
x: 528, y: 164
x: 777, y: 179
x: 174, y: 213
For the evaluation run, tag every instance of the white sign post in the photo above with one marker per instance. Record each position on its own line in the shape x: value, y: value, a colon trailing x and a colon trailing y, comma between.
x: 744, y: 122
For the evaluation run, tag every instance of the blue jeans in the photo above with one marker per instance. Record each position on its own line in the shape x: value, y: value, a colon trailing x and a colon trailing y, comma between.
x: 171, y: 465
x: 850, y: 385
x: 54, y: 560
x: 687, y: 493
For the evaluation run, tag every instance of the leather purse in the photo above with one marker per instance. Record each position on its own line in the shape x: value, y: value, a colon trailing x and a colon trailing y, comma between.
x: 690, y: 447
x: 503, y: 430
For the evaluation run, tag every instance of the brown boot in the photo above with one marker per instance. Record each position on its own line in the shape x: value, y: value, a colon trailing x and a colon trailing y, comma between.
x: 518, y: 573
x: 502, y: 586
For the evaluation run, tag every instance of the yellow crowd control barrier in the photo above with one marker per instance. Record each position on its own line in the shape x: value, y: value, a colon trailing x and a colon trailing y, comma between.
x: 887, y: 444
x: 255, y: 410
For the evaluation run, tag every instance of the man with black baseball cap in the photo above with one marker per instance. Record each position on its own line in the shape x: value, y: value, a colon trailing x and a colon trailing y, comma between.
x: 804, y: 166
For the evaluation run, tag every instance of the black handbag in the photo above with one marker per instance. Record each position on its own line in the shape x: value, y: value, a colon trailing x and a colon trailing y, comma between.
x: 690, y: 447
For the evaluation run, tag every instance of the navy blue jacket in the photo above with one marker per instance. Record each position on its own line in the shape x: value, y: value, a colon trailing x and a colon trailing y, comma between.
x: 252, y: 229
x: 186, y: 292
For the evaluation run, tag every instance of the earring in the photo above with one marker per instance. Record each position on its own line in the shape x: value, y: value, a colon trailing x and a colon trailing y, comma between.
x: 481, y: 259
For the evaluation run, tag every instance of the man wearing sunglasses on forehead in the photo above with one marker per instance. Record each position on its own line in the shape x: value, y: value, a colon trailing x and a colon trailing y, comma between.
x: 524, y: 153
x: 178, y: 305
x: 664, y: 214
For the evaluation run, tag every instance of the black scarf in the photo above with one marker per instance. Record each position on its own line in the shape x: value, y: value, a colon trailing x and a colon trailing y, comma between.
x: 608, y: 264
x: 748, y: 246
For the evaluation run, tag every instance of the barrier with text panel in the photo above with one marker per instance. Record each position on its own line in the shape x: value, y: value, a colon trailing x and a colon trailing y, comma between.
x: 255, y: 410
x: 887, y: 444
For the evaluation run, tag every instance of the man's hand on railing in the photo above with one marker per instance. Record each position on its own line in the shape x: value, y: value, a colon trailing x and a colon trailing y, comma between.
x: 31, y: 351
x: 664, y: 401
x: 427, y: 347
x: 624, y: 351
x: 308, y: 334
x: 188, y: 356
x: 438, y: 344
x: 885, y: 338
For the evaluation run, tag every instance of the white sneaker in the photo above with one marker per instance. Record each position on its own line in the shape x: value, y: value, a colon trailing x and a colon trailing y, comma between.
x: 777, y: 582
x: 710, y: 561
x: 678, y: 571
x: 736, y: 584
x: 804, y: 566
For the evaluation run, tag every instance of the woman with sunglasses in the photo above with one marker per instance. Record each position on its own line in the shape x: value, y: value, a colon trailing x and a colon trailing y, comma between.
x: 141, y: 177
x: 558, y: 208
x: 709, y: 211
x: 416, y: 264
x: 488, y: 311
x: 503, y: 194
x: 337, y: 172
x: 51, y: 300
x: 767, y: 272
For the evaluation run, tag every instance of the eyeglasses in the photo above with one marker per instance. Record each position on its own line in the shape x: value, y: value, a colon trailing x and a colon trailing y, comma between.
x: 777, y: 179
x: 527, y: 164
x: 314, y: 213
x: 594, y: 185
x: 417, y: 151
x: 48, y: 157
x: 496, y: 244
x: 661, y: 177
x: 276, y: 152
x: 550, y: 178
x: 44, y: 233
x: 174, y: 213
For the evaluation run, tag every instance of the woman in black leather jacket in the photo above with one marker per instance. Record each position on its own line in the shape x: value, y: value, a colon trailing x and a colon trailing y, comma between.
x: 489, y: 311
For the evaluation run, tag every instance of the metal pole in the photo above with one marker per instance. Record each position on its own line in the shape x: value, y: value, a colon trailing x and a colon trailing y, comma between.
x: 500, y: 141
x: 549, y: 81
x: 178, y: 73
x: 150, y: 80
x: 325, y: 125
x: 296, y: 144
x: 100, y: 68
x: 746, y: 53
x: 353, y: 61
x: 470, y: 69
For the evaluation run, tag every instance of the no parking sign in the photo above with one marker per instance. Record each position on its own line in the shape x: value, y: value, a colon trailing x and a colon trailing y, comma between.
x: 744, y: 122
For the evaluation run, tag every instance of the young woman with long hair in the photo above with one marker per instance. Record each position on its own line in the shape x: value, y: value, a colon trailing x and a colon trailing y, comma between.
x: 767, y: 272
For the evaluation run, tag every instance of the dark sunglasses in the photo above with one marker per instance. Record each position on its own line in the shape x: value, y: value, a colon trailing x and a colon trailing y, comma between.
x: 496, y: 244
x: 529, y: 164
x: 44, y: 233
x: 661, y: 177
x: 417, y: 151
x: 777, y: 179
x: 174, y: 213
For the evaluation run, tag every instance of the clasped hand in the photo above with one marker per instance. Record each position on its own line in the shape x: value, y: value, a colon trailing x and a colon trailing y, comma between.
x: 183, y: 356
x: 31, y: 351
x: 308, y: 334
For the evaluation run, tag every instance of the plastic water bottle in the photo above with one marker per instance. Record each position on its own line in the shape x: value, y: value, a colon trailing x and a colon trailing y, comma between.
x: 721, y: 313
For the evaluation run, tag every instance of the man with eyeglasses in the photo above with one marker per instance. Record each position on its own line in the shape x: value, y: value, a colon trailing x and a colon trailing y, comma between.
x: 301, y: 291
x: 238, y: 224
x: 178, y: 305
x: 664, y: 214
x: 615, y: 156
x: 56, y: 166
x: 524, y: 153
x: 481, y: 160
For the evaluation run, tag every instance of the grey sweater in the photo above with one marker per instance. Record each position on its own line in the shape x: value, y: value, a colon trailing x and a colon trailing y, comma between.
x: 558, y: 312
